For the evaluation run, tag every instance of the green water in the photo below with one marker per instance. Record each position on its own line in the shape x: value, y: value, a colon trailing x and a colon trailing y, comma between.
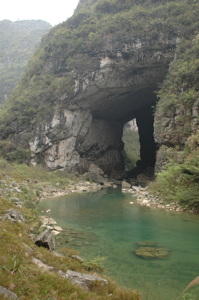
x: 106, y: 224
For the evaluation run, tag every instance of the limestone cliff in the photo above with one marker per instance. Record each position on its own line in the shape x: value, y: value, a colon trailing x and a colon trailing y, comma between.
x: 91, y: 75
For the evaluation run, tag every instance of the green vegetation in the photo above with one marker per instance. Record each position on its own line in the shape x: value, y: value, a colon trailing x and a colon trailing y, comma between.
x: 71, y: 51
x: 21, y: 172
x: 95, y: 264
x: 179, y: 98
x: 18, y: 41
x: 18, y: 273
x: 194, y: 291
x: 179, y: 181
x: 73, y: 47
x: 131, y: 147
x: 179, y: 92
x: 10, y: 152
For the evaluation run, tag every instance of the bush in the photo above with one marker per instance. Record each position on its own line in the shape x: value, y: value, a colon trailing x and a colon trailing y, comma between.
x: 179, y: 181
x: 12, y: 153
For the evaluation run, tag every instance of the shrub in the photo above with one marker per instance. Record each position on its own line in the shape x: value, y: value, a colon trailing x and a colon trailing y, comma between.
x: 179, y: 181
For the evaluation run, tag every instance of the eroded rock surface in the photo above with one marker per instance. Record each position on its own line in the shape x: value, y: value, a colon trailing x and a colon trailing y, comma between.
x: 46, y: 239
x: 84, y: 280
x: 89, y: 129
x: 13, y: 215
x: 6, y: 294
x: 90, y: 87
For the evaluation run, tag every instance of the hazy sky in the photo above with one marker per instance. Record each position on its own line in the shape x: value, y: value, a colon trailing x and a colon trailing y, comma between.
x: 52, y: 11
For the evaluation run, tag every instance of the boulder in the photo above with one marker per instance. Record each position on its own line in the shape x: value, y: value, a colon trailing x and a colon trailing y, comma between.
x: 95, y: 169
x: 46, y: 239
x: 152, y: 252
x: 41, y: 265
x: 7, y: 294
x: 84, y: 280
x: 126, y: 185
x: 95, y: 177
x: 13, y: 215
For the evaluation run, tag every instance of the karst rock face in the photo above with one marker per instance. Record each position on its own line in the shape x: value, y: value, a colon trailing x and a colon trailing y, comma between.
x: 90, y: 76
x: 88, y: 129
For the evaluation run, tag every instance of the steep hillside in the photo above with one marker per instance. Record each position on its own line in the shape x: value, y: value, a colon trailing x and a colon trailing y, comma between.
x: 177, y: 128
x: 17, y: 44
x: 97, y: 71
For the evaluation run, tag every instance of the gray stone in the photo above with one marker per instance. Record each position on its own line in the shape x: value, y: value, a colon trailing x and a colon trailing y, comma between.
x: 7, y: 294
x: 78, y: 258
x: 126, y: 185
x: 84, y: 280
x: 2, y: 182
x: 46, y: 239
x: 28, y: 249
x: 13, y: 215
x: 15, y: 200
x: 95, y: 169
x: 95, y: 177
x: 41, y: 265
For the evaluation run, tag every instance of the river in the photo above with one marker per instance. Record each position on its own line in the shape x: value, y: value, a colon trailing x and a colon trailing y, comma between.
x: 107, y: 224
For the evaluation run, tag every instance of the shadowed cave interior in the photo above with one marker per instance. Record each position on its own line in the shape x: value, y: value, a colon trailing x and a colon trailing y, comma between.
x: 137, y: 105
x: 110, y: 113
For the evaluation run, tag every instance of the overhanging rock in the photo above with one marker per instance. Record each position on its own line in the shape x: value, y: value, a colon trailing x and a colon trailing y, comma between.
x: 88, y: 129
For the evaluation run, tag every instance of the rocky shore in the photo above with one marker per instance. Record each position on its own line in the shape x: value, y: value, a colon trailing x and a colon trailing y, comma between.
x: 145, y: 198
x: 15, y: 191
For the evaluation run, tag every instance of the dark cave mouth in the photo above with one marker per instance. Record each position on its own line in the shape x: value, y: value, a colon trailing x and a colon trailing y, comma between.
x: 147, y: 156
x: 121, y: 107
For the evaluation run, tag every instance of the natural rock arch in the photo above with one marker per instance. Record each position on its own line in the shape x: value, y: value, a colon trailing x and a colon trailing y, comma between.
x: 88, y: 130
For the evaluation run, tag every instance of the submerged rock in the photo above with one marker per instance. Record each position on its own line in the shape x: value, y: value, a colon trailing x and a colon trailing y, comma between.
x: 152, y: 252
x: 147, y: 243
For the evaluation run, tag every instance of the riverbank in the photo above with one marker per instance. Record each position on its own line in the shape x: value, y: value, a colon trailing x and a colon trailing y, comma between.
x: 31, y: 272
x: 145, y: 197
x: 21, y: 188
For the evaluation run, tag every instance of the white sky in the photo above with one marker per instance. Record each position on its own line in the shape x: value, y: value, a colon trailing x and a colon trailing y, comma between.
x: 52, y: 11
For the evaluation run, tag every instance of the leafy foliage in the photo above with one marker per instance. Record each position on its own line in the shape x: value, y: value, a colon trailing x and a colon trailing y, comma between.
x: 11, y: 152
x: 181, y: 84
x: 94, y: 264
x: 179, y: 181
x: 179, y: 96
x: 179, y: 93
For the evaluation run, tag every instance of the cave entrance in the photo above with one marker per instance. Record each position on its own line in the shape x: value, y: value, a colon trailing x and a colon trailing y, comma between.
x: 142, y: 131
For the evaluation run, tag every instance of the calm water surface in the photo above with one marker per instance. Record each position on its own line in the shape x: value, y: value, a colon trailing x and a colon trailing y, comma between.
x: 106, y: 224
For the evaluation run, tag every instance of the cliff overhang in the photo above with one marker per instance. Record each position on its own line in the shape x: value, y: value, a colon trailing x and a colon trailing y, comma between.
x: 88, y: 129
